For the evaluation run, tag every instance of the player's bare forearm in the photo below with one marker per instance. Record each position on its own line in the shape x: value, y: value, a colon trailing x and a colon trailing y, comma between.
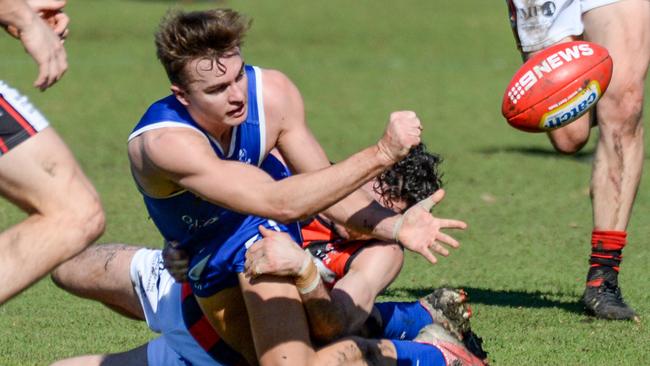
x: 242, y: 187
x: 326, y: 318
x: 307, y: 194
x: 252, y: 191
x: 16, y: 13
x: 360, y: 212
x: 331, y: 319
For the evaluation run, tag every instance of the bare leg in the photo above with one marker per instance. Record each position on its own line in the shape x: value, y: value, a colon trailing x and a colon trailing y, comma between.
x: 573, y: 137
x: 624, y: 28
x: 277, y: 320
x: 227, y: 313
x: 374, y: 268
x: 280, y: 330
x: 102, y: 273
x: 41, y: 176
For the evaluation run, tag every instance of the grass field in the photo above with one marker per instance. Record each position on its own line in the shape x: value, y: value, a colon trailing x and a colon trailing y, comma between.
x: 524, y: 257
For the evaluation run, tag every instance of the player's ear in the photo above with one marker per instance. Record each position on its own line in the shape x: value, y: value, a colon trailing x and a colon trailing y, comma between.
x: 180, y: 94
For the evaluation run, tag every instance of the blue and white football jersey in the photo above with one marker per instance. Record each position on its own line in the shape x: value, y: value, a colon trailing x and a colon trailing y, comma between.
x: 215, y: 237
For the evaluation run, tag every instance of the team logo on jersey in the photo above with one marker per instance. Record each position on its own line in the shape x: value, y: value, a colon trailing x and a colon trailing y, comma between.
x: 547, y: 9
x: 195, y: 223
x: 243, y: 156
x: 195, y: 272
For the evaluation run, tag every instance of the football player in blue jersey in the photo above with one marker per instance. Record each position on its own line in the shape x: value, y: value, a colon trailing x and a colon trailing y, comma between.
x: 194, y: 154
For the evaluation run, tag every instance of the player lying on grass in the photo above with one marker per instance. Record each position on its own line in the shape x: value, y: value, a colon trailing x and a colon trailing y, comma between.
x: 131, y: 280
x: 362, y: 269
x: 195, y: 154
x: 354, y: 266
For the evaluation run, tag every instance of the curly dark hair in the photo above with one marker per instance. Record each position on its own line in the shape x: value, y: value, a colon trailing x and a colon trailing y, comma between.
x: 412, y: 179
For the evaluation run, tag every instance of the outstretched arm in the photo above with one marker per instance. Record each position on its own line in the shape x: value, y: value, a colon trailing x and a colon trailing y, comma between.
x: 358, y: 210
x: 184, y: 158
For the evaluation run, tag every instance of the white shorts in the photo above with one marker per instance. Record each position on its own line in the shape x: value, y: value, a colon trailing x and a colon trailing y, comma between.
x: 160, y: 297
x: 19, y: 120
x: 538, y: 24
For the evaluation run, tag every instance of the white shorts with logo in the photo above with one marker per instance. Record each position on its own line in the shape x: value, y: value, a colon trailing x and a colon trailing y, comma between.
x: 160, y: 297
x: 538, y: 24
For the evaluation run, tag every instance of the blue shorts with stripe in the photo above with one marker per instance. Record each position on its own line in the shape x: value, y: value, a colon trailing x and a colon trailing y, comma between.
x: 216, y: 265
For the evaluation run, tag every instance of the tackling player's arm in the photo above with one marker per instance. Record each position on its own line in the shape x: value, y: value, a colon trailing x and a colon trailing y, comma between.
x: 278, y: 255
x: 418, y: 231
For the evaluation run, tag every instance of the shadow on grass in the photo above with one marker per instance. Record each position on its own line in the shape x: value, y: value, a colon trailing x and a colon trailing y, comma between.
x: 184, y: 2
x: 505, y: 298
x: 583, y: 155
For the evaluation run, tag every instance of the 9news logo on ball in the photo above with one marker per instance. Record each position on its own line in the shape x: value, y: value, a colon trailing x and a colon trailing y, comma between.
x: 556, y: 86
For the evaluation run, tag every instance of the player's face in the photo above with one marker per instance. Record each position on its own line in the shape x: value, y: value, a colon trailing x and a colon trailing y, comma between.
x: 217, y: 92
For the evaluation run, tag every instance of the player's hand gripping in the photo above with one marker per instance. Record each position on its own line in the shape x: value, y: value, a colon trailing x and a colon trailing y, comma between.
x: 43, y: 40
x: 418, y: 230
x: 402, y: 133
x: 176, y: 261
x: 51, y: 11
x: 276, y: 254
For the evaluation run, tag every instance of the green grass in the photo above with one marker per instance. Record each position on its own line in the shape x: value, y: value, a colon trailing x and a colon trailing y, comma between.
x: 524, y: 257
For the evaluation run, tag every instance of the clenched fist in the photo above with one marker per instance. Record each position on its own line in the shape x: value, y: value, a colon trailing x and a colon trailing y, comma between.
x: 402, y: 133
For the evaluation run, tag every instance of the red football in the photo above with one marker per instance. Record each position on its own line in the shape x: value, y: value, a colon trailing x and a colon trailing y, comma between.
x: 556, y: 86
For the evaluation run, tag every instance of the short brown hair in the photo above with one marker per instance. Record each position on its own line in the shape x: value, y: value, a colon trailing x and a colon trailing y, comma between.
x: 185, y: 36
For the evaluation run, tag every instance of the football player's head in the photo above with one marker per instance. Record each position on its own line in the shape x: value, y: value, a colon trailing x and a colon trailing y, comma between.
x: 410, y: 180
x: 201, y: 53
x: 184, y: 37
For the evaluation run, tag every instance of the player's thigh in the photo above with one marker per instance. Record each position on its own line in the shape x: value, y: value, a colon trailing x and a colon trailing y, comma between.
x: 41, y: 174
x: 623, y: 28
x: 103, y: 273
x: 372, y: 269
x: 277, y: 319
x: 227, y: 313
x: 573, y: 137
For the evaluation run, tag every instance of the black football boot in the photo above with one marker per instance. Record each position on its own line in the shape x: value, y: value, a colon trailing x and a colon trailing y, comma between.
x: 602, y: 297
